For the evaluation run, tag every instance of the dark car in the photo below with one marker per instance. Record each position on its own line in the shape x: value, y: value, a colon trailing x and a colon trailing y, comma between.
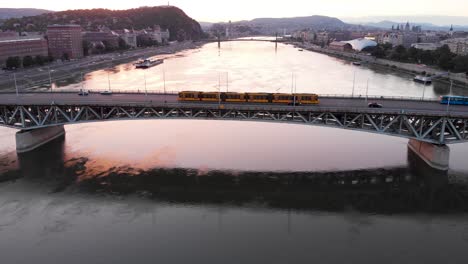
x: 375, y: 105
x: 83, y: 92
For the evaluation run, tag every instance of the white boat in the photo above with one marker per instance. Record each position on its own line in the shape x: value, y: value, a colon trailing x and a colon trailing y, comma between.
x: 147, y: 63
x: 423, y: 79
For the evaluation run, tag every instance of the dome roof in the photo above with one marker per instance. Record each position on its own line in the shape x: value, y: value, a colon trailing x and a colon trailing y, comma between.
x: 361, y: 43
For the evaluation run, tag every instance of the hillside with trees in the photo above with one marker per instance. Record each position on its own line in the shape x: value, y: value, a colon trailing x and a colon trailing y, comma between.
x: 181, y: 26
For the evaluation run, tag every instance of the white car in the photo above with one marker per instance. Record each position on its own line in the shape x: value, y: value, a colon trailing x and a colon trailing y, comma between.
x: 106, y: 93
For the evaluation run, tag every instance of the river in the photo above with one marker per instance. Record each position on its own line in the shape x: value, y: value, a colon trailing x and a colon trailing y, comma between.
x: 173, y: 191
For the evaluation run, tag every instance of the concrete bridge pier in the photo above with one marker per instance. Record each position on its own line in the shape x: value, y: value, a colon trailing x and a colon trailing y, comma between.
x: 28, y: 140
x: 436, y: 156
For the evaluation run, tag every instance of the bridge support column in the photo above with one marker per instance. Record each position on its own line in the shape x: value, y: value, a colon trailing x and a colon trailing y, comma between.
x: 28, y: 140
x: 436, y: 156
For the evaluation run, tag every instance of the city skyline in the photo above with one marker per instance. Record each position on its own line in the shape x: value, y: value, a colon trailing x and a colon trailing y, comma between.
x: 215, y: 11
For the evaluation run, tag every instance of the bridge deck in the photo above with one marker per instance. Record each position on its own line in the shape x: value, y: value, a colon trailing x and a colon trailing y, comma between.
x: 121, y: 99
x: 427, y: 121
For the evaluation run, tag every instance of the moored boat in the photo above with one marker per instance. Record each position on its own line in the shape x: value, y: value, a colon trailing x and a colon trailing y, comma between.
x: 147, y: 63
x: 423, y: 79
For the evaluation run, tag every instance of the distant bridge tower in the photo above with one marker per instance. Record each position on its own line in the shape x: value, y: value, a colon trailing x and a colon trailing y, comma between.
x: 229, y: 30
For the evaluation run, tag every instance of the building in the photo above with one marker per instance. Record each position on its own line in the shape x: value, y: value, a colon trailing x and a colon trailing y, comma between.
x: 458, y: 46
x: 426, y: 46
x: 429, y: 37
x: 362, y: 43
x: 65, y: 41
x: 129, y: 37
x: 340, y: 46
x: 399, y: 38
x: 21, y: 47
x: 108, y: 38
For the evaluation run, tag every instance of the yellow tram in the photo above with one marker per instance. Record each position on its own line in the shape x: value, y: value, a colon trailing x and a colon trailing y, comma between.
x: 272, y: 98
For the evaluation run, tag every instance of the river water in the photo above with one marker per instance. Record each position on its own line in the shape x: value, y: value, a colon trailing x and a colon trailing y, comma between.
x: 233, y: 192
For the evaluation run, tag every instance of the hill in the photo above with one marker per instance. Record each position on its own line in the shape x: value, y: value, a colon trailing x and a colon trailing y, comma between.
x: 6, y: 13
x: 179, y: 24
x: 271, y: 26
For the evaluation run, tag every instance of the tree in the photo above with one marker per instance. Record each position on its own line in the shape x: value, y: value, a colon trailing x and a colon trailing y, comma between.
x: 86, y: 45
x: 445, y: 57
x: 40, y: 60
x: 181, y: 35
x: 399, y: 53
x: 378, y: 52
x: 65, y: 57
x: 13, y: 62
x: 50, y: 58
x: 28, y: 61
x: 460, y: 64
x: 413, y: 54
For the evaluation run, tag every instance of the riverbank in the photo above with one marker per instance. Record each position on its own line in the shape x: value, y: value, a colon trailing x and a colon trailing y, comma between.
x: 408, y: 68
x: 41, y: 77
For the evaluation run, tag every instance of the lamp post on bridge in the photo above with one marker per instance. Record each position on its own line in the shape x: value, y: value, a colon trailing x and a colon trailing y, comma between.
x: 367, y: 90
x: 219, y: 90
x: 450, y: 96
x: 146, y: 91
x: 354, y: 83
x: 16, y: 85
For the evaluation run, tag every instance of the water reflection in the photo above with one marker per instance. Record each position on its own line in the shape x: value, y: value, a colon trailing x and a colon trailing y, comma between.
x: 415, y: 188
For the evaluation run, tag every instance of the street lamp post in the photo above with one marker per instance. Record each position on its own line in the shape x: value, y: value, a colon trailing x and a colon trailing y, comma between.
x: 450, y: 95
x: 50, y: 80
x: 164, y: 83
x: 354, y: 83
x: 146, y: 91
x: 219, y: 89
x: 16, y: 85
x: 367, y: 90
x: 425, y: 83
x: 108, y: 81
x: 227, y: 82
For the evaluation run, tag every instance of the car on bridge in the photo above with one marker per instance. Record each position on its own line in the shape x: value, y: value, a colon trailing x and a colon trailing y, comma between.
x: 83, y: 92
x: 375, y: 105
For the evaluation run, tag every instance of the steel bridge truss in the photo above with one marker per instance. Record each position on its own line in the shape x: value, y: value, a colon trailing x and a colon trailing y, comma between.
x: 427, y: 128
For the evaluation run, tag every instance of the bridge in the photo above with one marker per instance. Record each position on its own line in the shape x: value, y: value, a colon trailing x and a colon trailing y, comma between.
x: 429, y: 125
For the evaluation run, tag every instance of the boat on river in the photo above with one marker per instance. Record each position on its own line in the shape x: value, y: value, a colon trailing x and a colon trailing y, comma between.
x: 148, y: 63
x: 423, y: 79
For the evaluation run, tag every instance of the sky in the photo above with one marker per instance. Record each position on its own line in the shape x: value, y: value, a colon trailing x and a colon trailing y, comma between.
x: 219, y: 10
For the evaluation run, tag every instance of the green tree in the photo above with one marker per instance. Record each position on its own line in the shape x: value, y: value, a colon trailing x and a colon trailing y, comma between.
x: 28, y: 61
x: 444, y: 57
x: 460, y: 64
x: 13, y: 62
x: 399, y: 53
x: 413, y: 54
x: 378, y: 52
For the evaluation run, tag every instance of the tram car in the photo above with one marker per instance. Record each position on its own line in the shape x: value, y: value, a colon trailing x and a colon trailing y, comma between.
x: 230, y: 97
